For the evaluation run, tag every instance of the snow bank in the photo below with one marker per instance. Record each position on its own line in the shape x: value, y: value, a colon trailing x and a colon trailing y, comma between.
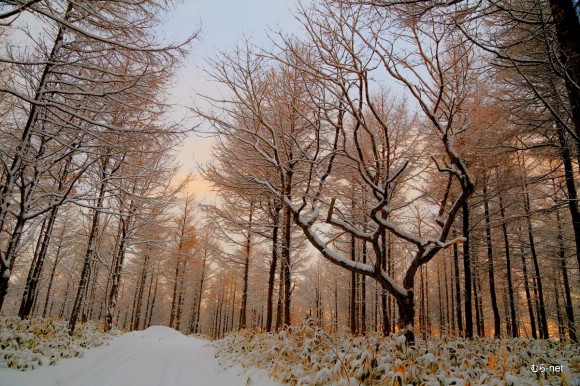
x: 309, y: 356
x: 27, y: 344
x: 159, y: 334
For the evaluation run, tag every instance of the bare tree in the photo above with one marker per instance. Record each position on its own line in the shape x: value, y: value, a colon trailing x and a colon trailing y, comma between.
x: 88, y: 62
x: 330, y: 91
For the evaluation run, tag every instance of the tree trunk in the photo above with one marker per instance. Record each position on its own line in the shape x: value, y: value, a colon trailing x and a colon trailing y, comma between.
x: 233, y: 305
x: 174, y: 296
x: 467, y: 280
x: 567, y: 293
x: 35, y: 256
x: 6, y: 269
x: 537, y: 304
x: 423, y: 304
x: 561, y: 333
x: 448, y: 312
x: 570, y: 186
x: 427, y: 303
x: 353, y: 285
x: 180, y: 296
x: 528, y: 296
x: 565, y: 15
x: 248, y: 249
x: 384, y: 294
x: 363, y: 300
x: 286, y: 248
x: 117, y: 267
x: 512, y: 302
x: 318, y: 299
x: 51, y: 278
x: 91, y: 248
x: 478, y: 302
x: 457, y: 286
x: 148, y: 303
x: 143, y: 280
x: 198, y: 309
x: 335, y: 321
x: 150, y: 316
x: 280, y: 305
x: 490, y: 267
x: 440, y: 301
x: 406, y: 305
x: 64, y: 301
x: 542, y: 314
x: 272, y: 272
x: 452, y: 292
x: 391, y: 272
x: 88, y: 315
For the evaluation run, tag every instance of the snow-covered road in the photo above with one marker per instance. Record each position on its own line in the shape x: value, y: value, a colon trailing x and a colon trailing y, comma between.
x: 157, y: 356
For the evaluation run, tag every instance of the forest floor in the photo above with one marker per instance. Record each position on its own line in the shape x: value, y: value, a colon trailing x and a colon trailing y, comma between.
x: 156, y: 356
x: 308, y: 355
x: 41, y: 352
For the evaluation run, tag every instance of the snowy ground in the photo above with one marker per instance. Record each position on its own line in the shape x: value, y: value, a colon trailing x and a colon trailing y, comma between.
x: 305, y: 355
x: 156, y: 356
x: 301, y: 355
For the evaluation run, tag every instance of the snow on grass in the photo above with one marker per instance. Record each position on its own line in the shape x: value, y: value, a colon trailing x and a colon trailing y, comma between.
x: 157, y: 356
x: 27, y: 344
x: 309, y: 356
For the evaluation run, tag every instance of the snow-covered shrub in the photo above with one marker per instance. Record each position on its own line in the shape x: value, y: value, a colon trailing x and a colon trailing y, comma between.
x: 27, y: 344
x: 309, y: 356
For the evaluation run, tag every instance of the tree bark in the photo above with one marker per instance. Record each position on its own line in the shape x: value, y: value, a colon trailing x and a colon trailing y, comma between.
x: 117, y: 268
x: 478, y: 302
x: 406, y: 305
x: 467, y: 280
x: 490, y: 266
x: 280, y: 305
x: 440, y: 301
x: 448, y: 312
x: 457, y: 287
x: 52, y: 274
x: 567, y: 27
x: 572, y: 193
x: 180, y: 296
x: 91, y: 248
x: 353, y: 285
x: 423, y: 305
x: 199, y: 300
x: 272, y: 272
x: 180, y: 266
x: 542, y: 312
x: 384, y: 294
x: 567, y: 293
x: 363, y: 300
x: 512, y: 302
x: 247, y: 252
x: 528, y: 296
x: 286, y: 252
x: 559, y: 312
x: 142, y: 281
x: 150, y: 316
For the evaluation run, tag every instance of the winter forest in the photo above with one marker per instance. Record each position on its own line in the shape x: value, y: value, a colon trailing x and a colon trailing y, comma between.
x: 397, y: 176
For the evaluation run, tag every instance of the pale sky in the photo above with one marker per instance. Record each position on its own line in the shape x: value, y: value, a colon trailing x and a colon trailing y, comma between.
x: 223, y: 24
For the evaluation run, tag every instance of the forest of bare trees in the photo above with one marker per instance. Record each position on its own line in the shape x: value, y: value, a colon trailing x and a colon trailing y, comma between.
x: 397, y: 167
